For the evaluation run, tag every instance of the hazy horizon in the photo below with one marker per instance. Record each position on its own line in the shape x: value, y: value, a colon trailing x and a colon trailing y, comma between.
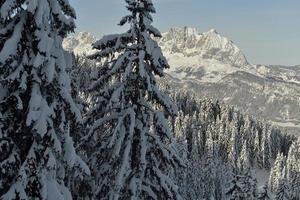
x: 267, y: 32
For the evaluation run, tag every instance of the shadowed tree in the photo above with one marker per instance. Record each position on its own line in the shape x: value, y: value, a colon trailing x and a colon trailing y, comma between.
x: 36, y: 103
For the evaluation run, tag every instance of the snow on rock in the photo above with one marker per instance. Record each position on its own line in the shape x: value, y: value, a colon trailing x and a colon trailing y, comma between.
x: 263, y: 70
x: 198, y: 69
x: 205, y: 57
x: 185, y: 42
x: 80, y: 44
x: 208, y: 45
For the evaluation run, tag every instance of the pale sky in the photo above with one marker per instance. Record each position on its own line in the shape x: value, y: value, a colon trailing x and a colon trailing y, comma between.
x: 267, y: 31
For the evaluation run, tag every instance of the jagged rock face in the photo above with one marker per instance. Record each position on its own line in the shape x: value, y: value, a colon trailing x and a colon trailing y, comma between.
x: 80, y: 44
x: 188, y: 42
x: 184, y: 42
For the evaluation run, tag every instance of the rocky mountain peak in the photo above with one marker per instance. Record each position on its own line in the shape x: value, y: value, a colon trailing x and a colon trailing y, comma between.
x: 213, y: 31
x: 185, y: 42
x: 207, y: 45
x: 80, y: 43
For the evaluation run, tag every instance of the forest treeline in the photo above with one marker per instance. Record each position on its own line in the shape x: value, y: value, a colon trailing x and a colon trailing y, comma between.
x: 222, y: 148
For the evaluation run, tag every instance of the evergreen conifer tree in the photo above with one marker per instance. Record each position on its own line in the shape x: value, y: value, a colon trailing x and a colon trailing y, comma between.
x: 258, y: 147
x: 266, y: 148
x: 282, y: 192
x: 247, y: 182
x: 293, y: 170
x: 36, y: 149
x: 135, y: 155
x: 276, y: 173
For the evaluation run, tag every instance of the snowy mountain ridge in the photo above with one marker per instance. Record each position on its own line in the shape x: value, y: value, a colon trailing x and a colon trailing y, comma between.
x: 80, y: 44
x: 188, y: 42
x: 182, y: 42
x: 213, y: 66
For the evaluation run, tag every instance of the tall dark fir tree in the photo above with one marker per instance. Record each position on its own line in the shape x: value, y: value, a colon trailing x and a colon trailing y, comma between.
x: 135, y: 154
x: 36, y: 106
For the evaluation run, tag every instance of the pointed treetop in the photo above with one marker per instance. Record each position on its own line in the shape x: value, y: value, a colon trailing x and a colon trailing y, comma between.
x: 140, y: 5
x: 140, y: 16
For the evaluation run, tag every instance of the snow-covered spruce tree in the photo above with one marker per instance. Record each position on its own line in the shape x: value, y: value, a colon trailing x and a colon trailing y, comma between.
x: 234, y: 188
x: 36, y: 101
x: 135, y: 157
x: 258, y: 147
x: 266, y: 149
x: 293, y: 170
x: 282, y: 192
x: 248, y: 183
x: 276, y: 172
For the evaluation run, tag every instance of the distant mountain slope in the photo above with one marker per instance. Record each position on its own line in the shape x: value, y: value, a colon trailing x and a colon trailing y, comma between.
x: 80, y: 44
x: 212, y: 65
x: 188, y: 42
x: 267, y: 98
